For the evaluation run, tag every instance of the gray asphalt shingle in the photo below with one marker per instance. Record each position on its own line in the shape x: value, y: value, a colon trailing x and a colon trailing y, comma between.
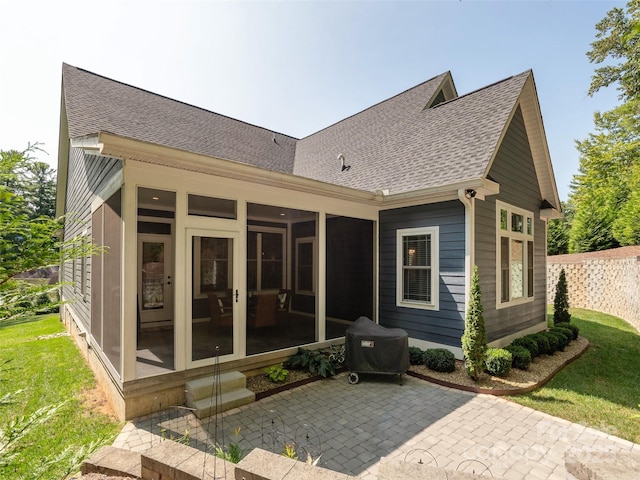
x: 396, y: 145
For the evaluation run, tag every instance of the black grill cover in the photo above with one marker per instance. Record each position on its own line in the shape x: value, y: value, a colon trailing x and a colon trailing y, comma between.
x: 373, y: 348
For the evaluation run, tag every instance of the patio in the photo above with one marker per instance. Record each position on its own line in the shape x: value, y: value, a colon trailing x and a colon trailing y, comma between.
x: 353, y: 426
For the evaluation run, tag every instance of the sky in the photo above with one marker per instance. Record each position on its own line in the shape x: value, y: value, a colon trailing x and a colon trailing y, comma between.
x: 297, y: 67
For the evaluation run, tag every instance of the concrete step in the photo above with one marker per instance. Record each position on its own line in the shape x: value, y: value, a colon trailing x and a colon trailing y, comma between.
x: 204, y: 387
x: 206, y: 407
x: 115, y: 462
x: 231, y: 389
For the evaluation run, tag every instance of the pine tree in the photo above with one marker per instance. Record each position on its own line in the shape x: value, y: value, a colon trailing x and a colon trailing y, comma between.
x: 474, y: 339
x: 561, y: 300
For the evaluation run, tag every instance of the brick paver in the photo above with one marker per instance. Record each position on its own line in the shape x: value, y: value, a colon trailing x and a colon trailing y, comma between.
x: 355, y: 425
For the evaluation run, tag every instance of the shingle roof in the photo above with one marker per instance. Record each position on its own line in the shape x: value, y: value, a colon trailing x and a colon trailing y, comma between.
x: 397, y: 144
x: 97, y: 104
x: 400, y: 146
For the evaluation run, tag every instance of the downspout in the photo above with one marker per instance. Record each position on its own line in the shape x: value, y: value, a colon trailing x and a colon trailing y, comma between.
x: 467, y: 197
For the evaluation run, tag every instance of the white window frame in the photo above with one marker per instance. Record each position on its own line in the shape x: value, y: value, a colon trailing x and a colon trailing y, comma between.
x: 312, y: 242
x: 526, y: 236
x: 259, y: 230
x: 434, y: 233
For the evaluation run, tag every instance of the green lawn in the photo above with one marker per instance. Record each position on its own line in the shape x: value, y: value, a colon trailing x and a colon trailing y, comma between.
x: 50, y: 370
x: 601, y: 389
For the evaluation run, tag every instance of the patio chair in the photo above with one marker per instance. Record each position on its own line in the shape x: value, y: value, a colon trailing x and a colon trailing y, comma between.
x: 221, y: 315
x: 265, y: 313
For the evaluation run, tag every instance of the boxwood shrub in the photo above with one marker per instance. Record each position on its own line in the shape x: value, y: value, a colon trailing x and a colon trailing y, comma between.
x: 416, y: 356
x: 543, y: 343
x: 570, y: 326
x: 564, y: 331
x: 521, y: 357
x: 556, y: 341
x: 528, y: 343
x: 498, y: 362
x: 439, y: 359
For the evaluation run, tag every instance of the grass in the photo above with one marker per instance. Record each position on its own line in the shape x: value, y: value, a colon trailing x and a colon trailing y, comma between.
x: 601, y: 388
x: 50, y: 370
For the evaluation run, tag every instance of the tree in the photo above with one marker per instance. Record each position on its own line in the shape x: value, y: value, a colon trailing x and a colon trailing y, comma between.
x: 561, y: 300
x: 474, y: 338
x: 27, y: 242
x: 558, y: 232
x: 618, y: 38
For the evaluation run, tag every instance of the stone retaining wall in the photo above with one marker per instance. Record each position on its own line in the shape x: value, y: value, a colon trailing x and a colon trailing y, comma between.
x: 606, y: 281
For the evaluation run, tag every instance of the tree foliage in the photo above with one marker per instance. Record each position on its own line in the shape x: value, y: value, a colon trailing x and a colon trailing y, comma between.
x: 617, y: 49
x: 28, y: 239
x: 558, y: 232
x: 474, y: 338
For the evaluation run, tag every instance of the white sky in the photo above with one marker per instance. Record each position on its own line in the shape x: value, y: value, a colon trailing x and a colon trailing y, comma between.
x: 297, y: 67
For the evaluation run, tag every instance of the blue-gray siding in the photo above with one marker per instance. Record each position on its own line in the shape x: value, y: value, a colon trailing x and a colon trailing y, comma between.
x: 513, y: 169
x: 87, y: 176
x: 446, y: 325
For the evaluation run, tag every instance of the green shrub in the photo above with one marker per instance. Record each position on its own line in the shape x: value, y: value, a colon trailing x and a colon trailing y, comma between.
x: 567, y: 332
x: 574, y: 328
x: 528, y: 343
x: 313, y: 361
x: 561, y: 300
x: 277, y: 373
x: 440, y: 360
x: 498, y: 362
x: 562, y: 340
x: 543, y: 343
x: 474, y: 338
x: 416, y: 356
x: 555, y: 341
x: 521, y: 357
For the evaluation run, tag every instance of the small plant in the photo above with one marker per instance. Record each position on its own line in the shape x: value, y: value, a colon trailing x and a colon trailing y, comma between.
x: 474, y: 339
x: 290, y: 451
x: 277, y: 373
x: 440, y: 360
x: 528, y: 343
x: 521, y: 357
x: 233, y: 452
x: 498, y: 362
x: 337, y: 354
x: 313, y: 361
x: 574, y: 328
x: 416, y: 356
x: 561, y: 301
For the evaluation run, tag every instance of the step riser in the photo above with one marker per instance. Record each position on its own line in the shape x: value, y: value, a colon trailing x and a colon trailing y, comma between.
x: 204, y: 408
x: 231, y: 392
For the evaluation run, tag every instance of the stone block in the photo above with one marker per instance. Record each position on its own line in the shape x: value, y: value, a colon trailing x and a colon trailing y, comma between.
x: 394, y: 469
x: 113, y: 461
x: 165, y: 457
x: 602, y: 466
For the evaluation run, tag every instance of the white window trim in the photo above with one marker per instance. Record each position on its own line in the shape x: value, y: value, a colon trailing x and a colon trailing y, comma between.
x: 525, y: 238
x: 260, y: 230
x: 312, y: 241
x: 434, y: 232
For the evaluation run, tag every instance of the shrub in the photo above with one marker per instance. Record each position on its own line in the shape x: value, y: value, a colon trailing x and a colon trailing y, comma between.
x: 543, y: 343
x: 440, y: 360
x: 313, y: 361
x: 474, y: 338
x: 521, y: 357
x: 498, y: 362
x: 528, y: 343
x: 568, y: 333
x: 555, y: 340
x: 562, y: 340
x: 416, y: 356
x: 574, y: 328
x: 561, y: 301
x: 277, y: 373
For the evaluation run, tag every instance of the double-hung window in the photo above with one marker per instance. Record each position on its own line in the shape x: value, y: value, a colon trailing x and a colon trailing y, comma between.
x: 417, y: 268
x: 515, y: 255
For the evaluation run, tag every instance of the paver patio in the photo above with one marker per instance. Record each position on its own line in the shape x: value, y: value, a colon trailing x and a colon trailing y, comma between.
x: 355, y: 425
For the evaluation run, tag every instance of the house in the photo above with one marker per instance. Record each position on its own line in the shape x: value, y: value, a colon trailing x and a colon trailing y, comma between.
x: 230, y: 244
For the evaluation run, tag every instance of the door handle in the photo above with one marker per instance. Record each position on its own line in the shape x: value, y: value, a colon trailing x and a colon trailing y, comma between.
x: 169, y: 280
x: 237, y: 295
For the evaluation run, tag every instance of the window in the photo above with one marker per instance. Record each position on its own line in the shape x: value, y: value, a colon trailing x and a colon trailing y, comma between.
x: 515, y: 255
x: 265, y: 258
x: 305, y: 255
x: 417, y: 268
x: 213, y: 262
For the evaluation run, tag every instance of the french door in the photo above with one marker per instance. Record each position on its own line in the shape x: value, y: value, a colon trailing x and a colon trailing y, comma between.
x: 155, y: 283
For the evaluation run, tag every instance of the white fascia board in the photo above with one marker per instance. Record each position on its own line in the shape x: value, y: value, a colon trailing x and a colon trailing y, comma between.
x: 88, y: 143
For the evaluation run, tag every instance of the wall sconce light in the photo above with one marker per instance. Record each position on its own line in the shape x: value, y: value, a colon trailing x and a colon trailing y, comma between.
x: 470, y: 193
